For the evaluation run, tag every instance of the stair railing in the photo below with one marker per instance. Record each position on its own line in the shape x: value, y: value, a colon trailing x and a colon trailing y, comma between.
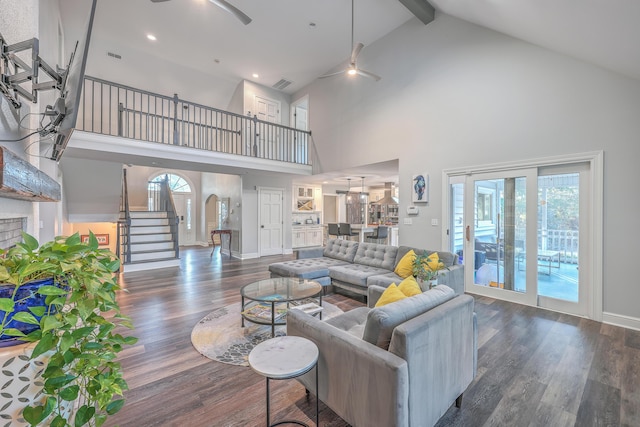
x: 166, y: 204
x: 123, y: 236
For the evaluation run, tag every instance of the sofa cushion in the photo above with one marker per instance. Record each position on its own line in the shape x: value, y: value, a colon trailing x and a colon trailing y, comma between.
x: 356, y: 274
x: 447, y: 258
x: 307, y: 268
x: 352, y: 321
x: 409, y: 286
x: 381, y: 321
x: 404, y: 267
x: 343, y: 250
x: 391, y: 294
x: 384, y: 280
x: 375, y: 255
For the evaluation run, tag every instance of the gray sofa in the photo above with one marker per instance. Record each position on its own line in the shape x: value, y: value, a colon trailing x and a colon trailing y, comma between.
x: 356, y: 266
x: 403, y: 364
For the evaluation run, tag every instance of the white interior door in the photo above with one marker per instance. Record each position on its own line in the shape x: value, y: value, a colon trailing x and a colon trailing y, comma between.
x: 270, y: 231
x: 186, y: 214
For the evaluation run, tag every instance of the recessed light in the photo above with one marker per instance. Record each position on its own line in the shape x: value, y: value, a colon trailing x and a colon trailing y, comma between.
x: 151, y: 37
x: 255, y: 75
x: 312, y: 24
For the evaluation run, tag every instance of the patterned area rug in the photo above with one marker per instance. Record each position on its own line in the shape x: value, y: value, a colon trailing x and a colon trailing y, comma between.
x: 220, y: 336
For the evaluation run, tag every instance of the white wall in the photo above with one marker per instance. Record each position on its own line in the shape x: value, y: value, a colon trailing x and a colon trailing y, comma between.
x: 454, y: 94
x: 21, y: 20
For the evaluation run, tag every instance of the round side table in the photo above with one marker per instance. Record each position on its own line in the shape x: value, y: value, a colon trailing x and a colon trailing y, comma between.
x: 283, y: 358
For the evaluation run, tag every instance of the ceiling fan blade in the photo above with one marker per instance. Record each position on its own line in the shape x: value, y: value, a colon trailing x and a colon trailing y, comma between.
x: 332, y: 74
x: 368, y: 74
x: 355, y: 52
x: 224, y: 5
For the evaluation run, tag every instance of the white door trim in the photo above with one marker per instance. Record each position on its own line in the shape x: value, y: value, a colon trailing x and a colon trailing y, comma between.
x: 596, y: 210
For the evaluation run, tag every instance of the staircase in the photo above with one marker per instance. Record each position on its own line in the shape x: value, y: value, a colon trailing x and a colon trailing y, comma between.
x: 152, y: 245
x: 148, y: 239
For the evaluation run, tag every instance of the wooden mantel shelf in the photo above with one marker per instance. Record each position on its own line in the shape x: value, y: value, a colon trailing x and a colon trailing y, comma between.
x: 21, y: 180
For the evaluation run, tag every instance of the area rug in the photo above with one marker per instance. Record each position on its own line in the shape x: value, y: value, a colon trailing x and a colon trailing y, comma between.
x: 220, y: 336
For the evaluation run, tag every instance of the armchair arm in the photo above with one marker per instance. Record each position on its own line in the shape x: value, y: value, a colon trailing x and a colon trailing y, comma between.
x: 362, y: 383
x: 374, y: 292
x: 309, y: 253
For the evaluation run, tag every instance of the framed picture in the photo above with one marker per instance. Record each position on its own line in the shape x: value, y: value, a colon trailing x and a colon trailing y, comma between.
x: 103, y: 239
x: 420, y: 188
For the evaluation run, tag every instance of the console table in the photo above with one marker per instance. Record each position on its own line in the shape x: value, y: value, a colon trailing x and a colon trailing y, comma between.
x: 221, y: 232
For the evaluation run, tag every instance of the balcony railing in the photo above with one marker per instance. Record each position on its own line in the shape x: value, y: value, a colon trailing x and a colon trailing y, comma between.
x: 113, y: 109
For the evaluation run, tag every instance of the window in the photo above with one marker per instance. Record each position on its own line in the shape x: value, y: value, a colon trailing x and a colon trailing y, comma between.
x: 485, y: 205
x: 177, y: 184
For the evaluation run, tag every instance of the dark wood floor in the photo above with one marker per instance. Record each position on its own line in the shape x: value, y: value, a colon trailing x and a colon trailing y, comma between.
x: 535, y: 367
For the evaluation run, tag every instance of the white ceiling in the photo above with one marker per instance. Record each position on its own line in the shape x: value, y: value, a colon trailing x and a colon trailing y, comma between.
x: 280, y: 43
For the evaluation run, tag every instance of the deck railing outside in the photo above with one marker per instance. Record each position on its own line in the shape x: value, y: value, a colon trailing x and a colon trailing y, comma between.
x: 113, y: 109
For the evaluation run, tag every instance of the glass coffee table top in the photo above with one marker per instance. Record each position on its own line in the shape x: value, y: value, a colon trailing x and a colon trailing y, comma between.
x: 281, y: 289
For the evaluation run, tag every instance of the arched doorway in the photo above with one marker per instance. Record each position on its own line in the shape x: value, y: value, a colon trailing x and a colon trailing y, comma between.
x: 184, y: 201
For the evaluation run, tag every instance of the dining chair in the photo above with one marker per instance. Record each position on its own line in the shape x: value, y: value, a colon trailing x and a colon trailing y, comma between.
x: 345, y: 230
x: 333, y: 230
x: 381, y: 233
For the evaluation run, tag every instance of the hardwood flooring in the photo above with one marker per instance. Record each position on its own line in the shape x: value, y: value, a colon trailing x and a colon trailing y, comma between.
x: 535, y: 367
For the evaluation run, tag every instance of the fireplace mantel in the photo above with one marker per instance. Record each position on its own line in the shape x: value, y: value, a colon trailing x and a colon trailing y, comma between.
x: 21, y: 180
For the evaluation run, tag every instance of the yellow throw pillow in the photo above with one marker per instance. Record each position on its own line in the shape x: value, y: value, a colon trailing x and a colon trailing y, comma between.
x: 391, y: 294
x: 433, y: 262
x: 405, y: 265
x: 410, y: 287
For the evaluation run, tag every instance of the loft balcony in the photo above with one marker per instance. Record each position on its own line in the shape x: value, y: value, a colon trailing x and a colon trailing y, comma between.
x: 129, y: 125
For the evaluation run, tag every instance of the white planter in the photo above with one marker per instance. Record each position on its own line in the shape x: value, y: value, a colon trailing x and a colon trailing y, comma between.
x: 20, y: 384
x: 427, y: 284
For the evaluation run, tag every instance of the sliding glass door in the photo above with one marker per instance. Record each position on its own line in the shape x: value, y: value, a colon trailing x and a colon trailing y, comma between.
x: 522, y: 234
x: 499, y: 227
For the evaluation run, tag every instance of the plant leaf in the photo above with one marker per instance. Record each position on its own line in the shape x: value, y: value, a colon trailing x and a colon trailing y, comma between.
x: 45, y: 344
x: 52, y: 290
x: 70, y: 393
x: 33, y: 414
x: 59, y: 421
x: 38, y: 311
x: 13, y: 332
x: 6, y: 304
x: 58, y: 382
x: 84, y: 414
x: 49, y: 323
x: 29, y: 241
x: 25, y: 317
x: 115, y: 406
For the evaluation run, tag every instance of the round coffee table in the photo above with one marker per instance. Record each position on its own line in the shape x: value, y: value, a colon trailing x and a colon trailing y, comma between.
x: 269, y: 299
x: 284, y: 358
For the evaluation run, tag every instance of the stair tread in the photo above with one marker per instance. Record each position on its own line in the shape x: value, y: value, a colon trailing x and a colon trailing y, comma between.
x: 151, y: 242
x: 151, y: 251
x: 147, y: 261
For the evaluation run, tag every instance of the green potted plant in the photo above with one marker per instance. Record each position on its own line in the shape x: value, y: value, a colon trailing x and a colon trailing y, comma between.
x: 76, y: 328
x: 426, y: 269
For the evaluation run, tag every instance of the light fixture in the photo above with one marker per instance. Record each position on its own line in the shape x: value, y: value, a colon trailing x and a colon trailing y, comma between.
x: 352, y: 71
x: 151, y: 37
x: 255, y: 75
x: 362, y: 195
x: 349, y: 189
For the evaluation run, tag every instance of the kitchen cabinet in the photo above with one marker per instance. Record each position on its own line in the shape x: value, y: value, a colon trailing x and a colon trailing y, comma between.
x: 299, y: 238
x: 307, y: 198
x: 313, y: 236
x: 306, y: 236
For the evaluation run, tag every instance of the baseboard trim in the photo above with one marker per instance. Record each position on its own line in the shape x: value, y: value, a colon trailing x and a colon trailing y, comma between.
x: 287, y: 251
x: 621, y: 320
x: 247, y: 256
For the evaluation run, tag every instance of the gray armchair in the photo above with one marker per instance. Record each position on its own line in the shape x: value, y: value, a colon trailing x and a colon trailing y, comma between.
x: 402, y: 365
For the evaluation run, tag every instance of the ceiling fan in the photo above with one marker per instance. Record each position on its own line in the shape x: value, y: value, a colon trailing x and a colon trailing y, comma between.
x: 226, y: 6
x: 353, y: 69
